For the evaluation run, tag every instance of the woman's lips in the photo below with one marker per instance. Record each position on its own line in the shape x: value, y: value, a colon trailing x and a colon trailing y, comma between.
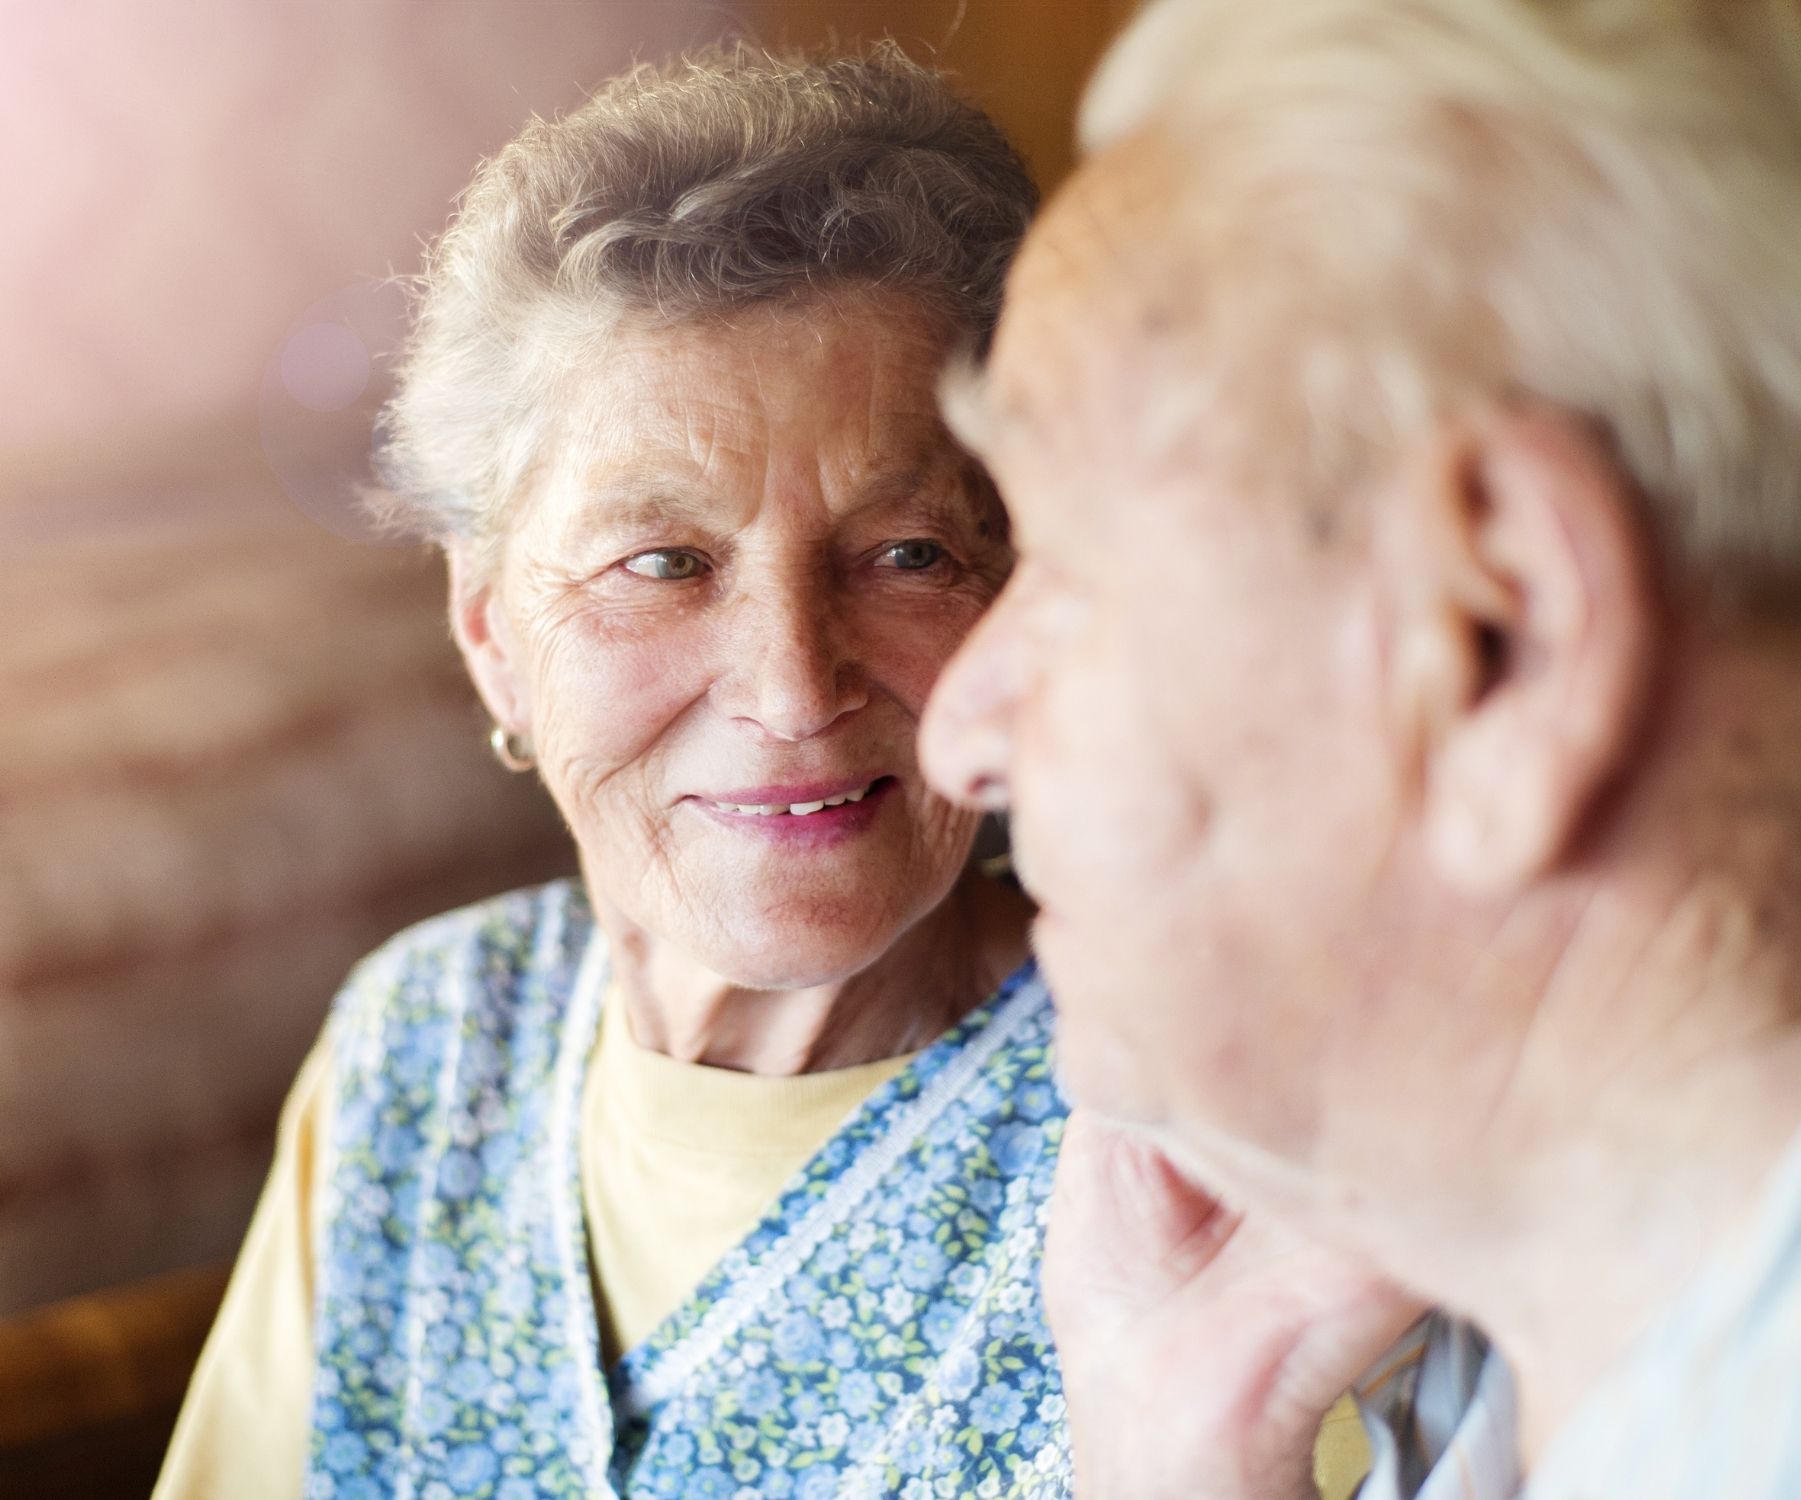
x: 793, y: 799
x: 800, y: 811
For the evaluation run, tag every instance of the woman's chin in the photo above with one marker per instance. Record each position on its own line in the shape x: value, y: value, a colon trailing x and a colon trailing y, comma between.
x: 794, y: 972
x: 798, y: 956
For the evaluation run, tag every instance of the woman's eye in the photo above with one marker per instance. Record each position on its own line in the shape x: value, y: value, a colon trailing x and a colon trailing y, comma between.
x: 912, y: 556
x: 670, y: 565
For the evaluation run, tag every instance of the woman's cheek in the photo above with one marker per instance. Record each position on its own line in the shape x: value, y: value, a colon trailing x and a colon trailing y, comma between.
x: 910, y: 648
x: 607, y: 696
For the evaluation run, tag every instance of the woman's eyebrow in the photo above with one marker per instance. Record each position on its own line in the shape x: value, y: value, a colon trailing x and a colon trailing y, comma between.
x: 933, y: 482
x: 648, y: 496
x: 645, y: 496
x: 889, y: 489
x: 639, y: 510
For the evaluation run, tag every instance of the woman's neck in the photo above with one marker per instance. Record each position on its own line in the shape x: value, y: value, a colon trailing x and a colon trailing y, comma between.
x: 929, y: 978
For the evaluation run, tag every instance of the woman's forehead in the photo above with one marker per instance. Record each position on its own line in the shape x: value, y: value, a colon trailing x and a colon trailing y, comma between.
x: 865, y: 360
x: 668, y: 415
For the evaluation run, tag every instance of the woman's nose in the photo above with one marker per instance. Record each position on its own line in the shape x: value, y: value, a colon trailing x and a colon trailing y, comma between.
x: 966, y: 737
x: 798, y: 673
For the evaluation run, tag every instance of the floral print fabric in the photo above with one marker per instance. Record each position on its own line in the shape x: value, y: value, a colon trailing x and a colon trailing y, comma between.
x: 880, y: 1332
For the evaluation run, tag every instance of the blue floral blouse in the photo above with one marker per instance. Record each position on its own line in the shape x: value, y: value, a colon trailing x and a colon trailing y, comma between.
x: 880, y: 1331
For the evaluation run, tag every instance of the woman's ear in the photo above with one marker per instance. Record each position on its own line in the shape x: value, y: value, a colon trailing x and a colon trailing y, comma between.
x: 1525, y: 628
x: 485, y: 638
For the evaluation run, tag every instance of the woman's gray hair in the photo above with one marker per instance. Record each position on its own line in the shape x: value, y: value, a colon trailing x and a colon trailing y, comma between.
x: 685, y: 189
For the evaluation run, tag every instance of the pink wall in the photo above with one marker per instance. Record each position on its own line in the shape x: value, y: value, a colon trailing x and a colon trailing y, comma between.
x: 185, y: 179
x: 239, y: 750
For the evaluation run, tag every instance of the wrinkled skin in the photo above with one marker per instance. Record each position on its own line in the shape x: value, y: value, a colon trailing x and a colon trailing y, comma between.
x: 748, y: 554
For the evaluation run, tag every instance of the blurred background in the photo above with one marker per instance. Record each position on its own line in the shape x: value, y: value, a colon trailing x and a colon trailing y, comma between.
x: 236, y: 749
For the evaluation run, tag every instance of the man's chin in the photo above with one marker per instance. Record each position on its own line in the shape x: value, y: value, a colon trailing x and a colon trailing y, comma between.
x: 1096, y: 1073
x: 1081, y: 971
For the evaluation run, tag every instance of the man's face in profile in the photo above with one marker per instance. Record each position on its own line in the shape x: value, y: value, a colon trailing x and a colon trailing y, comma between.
x: 1176, y: 695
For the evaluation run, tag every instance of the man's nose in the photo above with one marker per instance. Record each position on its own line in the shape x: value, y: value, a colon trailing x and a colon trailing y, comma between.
x: 798, y: 670
x: 966, y: 737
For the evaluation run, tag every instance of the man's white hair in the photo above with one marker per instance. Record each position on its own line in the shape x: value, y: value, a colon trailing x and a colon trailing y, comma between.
x: 1399, y: 206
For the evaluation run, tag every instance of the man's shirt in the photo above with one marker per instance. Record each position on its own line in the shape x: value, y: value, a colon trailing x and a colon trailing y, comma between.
x: 1709, y: 1401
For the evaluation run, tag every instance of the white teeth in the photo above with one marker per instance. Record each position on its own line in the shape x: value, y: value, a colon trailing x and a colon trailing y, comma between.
x: 797, y: 809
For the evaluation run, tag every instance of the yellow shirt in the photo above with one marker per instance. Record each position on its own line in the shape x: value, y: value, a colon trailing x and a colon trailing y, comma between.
x: 678, y: 1162
x: 245, y: 1425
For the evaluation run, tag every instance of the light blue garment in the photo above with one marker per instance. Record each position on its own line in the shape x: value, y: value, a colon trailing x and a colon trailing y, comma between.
x: 1708, y: 1404
x: 879, y: 1332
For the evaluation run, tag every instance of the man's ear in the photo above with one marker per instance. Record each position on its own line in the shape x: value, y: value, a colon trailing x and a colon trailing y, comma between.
x: 485, y: 638
x: 1524, y: 631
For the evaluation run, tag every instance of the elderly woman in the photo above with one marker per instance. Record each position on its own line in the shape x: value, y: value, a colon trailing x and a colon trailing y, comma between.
x: 723, y: 1169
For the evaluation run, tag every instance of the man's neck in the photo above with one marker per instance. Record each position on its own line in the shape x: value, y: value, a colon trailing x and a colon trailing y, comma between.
x: 1605, y: 1230
x: 1656, y: 1078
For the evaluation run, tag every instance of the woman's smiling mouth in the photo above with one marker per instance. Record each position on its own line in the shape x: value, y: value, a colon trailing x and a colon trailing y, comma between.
x: 763, y: 804
x: 780, y: 808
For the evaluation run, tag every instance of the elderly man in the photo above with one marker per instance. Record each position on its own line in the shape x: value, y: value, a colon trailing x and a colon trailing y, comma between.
x: 1399, y: 702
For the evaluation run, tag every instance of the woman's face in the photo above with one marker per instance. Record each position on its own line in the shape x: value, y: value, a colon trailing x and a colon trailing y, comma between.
x: 723, y: 603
